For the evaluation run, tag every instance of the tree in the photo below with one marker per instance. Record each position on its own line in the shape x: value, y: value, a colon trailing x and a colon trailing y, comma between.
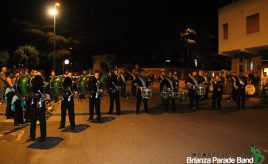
x: 27, y: 55
x: 4, y: 57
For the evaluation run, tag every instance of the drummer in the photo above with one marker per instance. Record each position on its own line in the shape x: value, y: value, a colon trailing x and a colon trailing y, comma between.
x: 217, y: 92
x: 37, y: 109
x: 141, y: 81
x: 170, y: 84
x: 192, y: 83
x: 67, y: 103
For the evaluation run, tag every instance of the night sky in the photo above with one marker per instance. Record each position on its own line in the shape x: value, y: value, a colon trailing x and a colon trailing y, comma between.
x: 110, y: 26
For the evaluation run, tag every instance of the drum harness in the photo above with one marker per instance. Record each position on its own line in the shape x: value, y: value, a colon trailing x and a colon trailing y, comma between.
x: 143, y: 83
x: 195, y: 82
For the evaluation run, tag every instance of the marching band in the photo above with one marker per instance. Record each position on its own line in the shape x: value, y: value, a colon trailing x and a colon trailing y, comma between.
x: 30, y: 91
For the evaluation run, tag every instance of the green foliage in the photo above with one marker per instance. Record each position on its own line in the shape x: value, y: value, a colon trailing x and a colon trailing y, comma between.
x: 4, y: 57
x: 27, y: 55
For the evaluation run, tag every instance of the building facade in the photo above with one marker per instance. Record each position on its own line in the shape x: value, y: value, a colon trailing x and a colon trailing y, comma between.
x: 243, y: 35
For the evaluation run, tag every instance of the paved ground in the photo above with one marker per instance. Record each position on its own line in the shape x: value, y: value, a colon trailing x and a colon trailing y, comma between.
x: 162, y: 138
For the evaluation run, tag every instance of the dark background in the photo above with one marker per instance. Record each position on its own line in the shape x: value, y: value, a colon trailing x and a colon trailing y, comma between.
x: 118, y: 27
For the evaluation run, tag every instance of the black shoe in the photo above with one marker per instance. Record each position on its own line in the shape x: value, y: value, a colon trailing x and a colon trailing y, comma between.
x: 61, y: 127
x: 31, y: 139
x: 41, y: 139
x: 90, y: 119
x: 72, y: 128
x: 118, y: 114
x: 109, y: 112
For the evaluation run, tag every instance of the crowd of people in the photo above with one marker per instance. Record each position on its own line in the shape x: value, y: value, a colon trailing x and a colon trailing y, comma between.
x: 198, y: 86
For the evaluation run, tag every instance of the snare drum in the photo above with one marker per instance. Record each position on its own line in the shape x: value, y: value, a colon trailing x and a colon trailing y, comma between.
x: 146, y: 93
x: 250, y: 89
x: 165, y: 95
x: 201, y: 90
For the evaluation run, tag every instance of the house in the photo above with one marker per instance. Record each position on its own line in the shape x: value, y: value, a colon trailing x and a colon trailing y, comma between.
x: 243, y: 35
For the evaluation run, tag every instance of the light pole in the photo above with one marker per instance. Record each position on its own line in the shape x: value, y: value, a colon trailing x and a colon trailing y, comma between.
x: 53, y: 12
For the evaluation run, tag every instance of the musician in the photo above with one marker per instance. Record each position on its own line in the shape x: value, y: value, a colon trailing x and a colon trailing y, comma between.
x: 217, y: 85
x: 239, y: 85
x: 2, y: 84
x: 192, y: 83
x: 67, y: 103
x: 113, y: 90
x: 37, y: 109
x: 9, y: 93
x: 133, y: 78
x: 161, y: 80
x: 122, y: 83
x: 95, y: 88
x: 170, y: 83
x: 141, y: 81
x: 206, y: 82
x: 234, y: 90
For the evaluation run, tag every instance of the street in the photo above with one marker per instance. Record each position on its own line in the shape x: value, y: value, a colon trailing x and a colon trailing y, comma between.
x: 157, y: 137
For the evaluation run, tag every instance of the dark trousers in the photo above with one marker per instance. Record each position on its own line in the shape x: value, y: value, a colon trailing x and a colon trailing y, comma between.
x: 67, y: 105
x: 161, y: 86
x: 114, y: 97
x: 194, y: 98
x: 234, y: 94
x: 94, y: 103
x: 9, y: 112
x: 167, y: 102
x: 207, y: 91
x: 18, y: 114
x: 123, y: 90
x: 39, y: 113
x: 240, y: 99
x: 27, y: 112
x: 138, y: 104
x: 133, y: 90
x: 216, y: 99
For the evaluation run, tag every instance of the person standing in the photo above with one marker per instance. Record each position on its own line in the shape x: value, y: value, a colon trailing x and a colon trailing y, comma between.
x: 67, y: 103
x: 192, y: 84
x: 217, y: 85
x: 2, y: 84
x: 239, y: 85
x: 38, y: 109
x: 95, y: 88
x: 171, y: 86
x: 161, y: 80
x: 264, y: 84
x: 206, y: 82
x: 141, y: 82
x: 113, y: 90
x: 133, y: 87
x: 9, y: 93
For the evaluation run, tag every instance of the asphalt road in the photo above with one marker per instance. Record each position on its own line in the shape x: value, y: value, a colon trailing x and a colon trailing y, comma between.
x: 155, y: 138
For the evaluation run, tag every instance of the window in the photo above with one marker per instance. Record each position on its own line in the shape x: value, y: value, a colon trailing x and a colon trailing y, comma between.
x: 253, y: 23
x: 225, y: 31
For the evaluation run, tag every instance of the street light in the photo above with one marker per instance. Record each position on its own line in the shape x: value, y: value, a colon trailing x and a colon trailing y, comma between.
x: 53, y: 12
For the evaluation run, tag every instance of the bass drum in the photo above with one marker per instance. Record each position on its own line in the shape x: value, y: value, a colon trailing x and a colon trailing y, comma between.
x: 58, y: 84
x: 82, y: 85
x: 23, y: 86
x: 27, y: 85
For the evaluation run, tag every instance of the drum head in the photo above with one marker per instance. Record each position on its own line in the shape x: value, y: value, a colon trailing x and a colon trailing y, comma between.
x: 83, y: 84
x: 37, y: 84
x: 55, y: 86
x: 23, y: 86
